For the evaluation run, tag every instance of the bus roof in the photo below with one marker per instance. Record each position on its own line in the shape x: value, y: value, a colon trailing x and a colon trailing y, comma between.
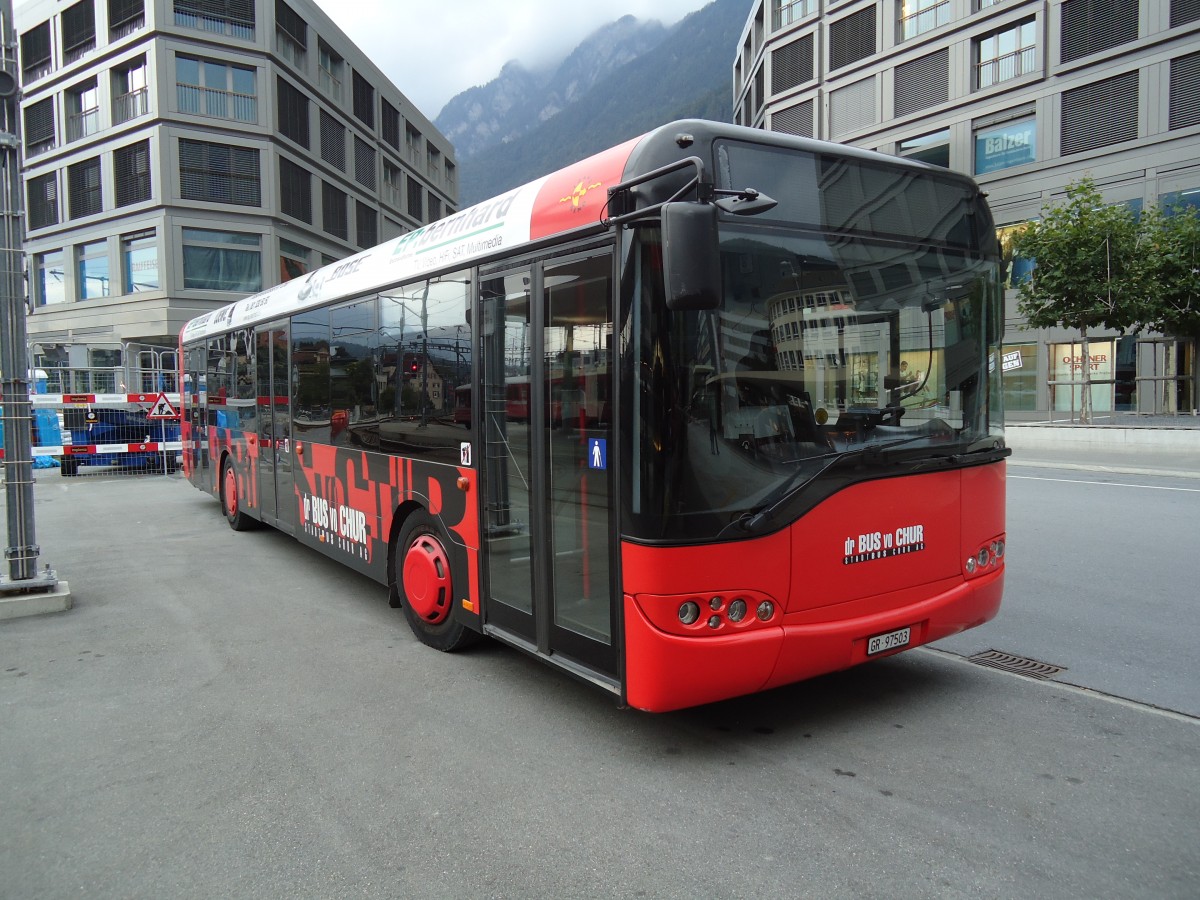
x: 570, y: 199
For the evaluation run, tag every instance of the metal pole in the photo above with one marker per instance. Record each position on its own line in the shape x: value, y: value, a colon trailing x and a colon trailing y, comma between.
x: 21, y: 552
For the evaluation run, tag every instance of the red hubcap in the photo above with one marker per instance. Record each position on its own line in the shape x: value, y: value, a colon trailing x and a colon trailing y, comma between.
x: 231, y: 498
x: 427, y: 579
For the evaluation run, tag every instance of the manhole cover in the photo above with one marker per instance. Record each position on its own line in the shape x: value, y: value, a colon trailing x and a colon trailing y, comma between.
x: 1020, y: 665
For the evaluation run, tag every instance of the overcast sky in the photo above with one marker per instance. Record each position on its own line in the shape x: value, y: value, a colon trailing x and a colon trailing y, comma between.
x: 434, y: 49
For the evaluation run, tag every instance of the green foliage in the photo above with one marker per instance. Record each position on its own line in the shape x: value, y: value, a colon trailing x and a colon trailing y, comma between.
x: 1173, y: 258
x: 1090, y: 271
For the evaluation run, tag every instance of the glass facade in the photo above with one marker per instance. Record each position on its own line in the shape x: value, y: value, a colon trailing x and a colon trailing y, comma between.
x: 94, y: 279
x: 222, y: 260
x: 139, y: 257
x: 1004, y: 146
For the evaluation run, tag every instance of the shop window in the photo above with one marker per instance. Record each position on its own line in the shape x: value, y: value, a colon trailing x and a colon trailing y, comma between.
x: 933, y: 148
x: 139, y: 257
x: 1002, y: 146
x: 222, y: 261
x: 94, y: 279
x: 1019, y: 374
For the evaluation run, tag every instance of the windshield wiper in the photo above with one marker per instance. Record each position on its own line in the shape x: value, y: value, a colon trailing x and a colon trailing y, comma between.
x: 870, y: 453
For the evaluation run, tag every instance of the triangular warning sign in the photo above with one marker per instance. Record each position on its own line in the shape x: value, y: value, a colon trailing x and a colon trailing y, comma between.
x: 162, y: 409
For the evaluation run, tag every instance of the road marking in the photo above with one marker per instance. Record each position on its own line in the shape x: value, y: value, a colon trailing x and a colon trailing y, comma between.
x: 1148, y: 487
x: 1070, y: 688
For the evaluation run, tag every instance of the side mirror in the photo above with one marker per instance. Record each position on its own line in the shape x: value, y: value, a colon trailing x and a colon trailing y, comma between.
x: 691, y: 256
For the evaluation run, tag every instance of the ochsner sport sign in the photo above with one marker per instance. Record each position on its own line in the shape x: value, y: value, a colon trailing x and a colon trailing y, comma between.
x: 567, y: 199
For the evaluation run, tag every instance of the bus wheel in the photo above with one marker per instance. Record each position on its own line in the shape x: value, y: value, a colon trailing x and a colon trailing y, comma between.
x: 231, y: 502
x: 424, y: 584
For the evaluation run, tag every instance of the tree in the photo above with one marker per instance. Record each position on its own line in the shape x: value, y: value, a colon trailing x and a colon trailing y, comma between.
x: 1088, y: 272
x: 1173, y: 238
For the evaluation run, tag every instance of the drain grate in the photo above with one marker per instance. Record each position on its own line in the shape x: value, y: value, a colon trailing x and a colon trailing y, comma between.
x: 1018, y: 665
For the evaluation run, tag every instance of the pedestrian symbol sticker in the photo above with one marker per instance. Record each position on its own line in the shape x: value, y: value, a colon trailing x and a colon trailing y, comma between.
x: 597, y: 453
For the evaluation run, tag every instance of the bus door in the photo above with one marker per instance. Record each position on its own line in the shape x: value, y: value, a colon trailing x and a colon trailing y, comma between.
x: 549, y: 530
x: 276, y: 483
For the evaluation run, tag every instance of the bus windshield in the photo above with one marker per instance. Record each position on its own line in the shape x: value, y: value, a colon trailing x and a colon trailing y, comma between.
x: 857, y: 337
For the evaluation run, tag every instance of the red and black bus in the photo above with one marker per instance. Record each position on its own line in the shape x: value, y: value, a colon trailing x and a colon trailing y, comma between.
x: 761, y: 439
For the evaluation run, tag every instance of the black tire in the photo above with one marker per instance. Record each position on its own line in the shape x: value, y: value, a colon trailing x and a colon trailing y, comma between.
x: 422, y: 583
x: 231, y: 501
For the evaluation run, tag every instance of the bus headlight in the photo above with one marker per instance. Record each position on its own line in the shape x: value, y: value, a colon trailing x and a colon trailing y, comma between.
x: 765, y: 610
x: 689, y: 612
x: 737, y: 610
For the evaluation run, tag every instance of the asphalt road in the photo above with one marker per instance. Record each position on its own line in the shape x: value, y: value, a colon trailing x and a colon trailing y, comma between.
x: 1102, y: 578
x: 231, y: 715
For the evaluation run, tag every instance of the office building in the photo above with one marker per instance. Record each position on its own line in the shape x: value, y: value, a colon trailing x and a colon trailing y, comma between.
x: 1027, y: 96
x: 179, y: 154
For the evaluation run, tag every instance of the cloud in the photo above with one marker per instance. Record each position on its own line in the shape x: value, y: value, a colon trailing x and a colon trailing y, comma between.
x: 435, y: 49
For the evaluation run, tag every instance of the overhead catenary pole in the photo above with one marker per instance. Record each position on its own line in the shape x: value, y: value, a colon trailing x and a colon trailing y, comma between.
x: 24, y: 590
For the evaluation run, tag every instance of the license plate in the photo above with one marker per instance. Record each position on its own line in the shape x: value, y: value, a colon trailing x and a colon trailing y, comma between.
x: 890, y: 641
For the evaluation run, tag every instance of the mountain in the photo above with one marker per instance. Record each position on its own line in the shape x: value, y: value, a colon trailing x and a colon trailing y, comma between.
x: 584, y: 106
x: 517, y: 100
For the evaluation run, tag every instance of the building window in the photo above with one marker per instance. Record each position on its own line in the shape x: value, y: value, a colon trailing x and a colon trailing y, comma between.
x: 39, y: 127
x: 295, y: 190
x: 364, y: 101
x: 434, y: 161
x: 43, y: 200
x: 78, y: 30
x: 852, y: 107
x: 785, y: 12
x: 792, y: 64
x: 1020, y: 377
x: 852, y: 38
x: 416, y: 208
x: 219, y: 173
x: 92, y: 266
x: 131, y: 95
x: 435, y: 207
x: 919, y: 16
x: 366, y: 223
x: 132, y: 168
x: 931, y: 148
x: 294, y: 260
x: 364, y: 163
x: 1005, y: 54
x: 1100, y: 114
x: 796, y: 119
x: 222, y: 261
x: 333, y: 212
x: 139, y: 259
x: 35, y: 53
x: 125, y: 17
x: 84, y: 197
x: 1001, y: 146
x: 1184, y: 91
x: 412, y: 143
x: 51, y: 284
x: 291, y: 35
x: 391, y: 125
x: 233, y: 18
x: 922, y: 83
x: 83, y: 110
x: 207, y: 88
x: 293, y: 113
x: 1089, y: 26
x: 392, y: 188
x: 329, y: 70
x: 333, y: 141
x: 1184, y: 11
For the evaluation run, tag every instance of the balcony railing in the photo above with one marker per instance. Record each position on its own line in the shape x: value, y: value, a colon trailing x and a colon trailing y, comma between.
x: 289, y: 49
x: 1002, y: 68
x: 131, y: 105
x: 789, y: 11
x: 81, y: 124
x: 204, y: 101
x: 926, y: 19
x: 215, y: 24
x: 118, y: 30
x: 329, y: 83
